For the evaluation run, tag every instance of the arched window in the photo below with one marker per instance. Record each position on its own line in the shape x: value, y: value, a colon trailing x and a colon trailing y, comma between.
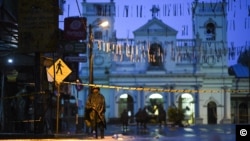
x: 155, y: 55
x: 210, y: 31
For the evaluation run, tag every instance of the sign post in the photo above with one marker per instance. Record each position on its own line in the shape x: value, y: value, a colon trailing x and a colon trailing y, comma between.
x: 57, y: 107
x: 59, y: 71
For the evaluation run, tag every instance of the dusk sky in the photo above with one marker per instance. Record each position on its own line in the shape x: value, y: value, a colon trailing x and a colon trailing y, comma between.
x: 238, y: 17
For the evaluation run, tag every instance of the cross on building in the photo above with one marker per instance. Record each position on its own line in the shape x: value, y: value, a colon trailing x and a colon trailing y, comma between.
x: 154, y: 11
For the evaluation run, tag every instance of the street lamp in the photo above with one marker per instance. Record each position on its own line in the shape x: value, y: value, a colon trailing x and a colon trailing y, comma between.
x: 91, y: 39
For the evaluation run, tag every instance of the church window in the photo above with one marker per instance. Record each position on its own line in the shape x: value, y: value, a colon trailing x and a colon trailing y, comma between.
x: 125, y: 11
x: 98, y: 34
x: 156, y: 55
x: 184, y: 31
x: 102, y: 10
x: 210, y: 31
x: 99, y: 10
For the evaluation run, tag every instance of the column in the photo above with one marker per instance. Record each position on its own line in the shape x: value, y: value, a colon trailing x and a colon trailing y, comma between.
x: 168, y: 97
x: 198, y: 118
x: 226, y: 119
x: 114, y: 109
x: 165, y: 105
x: 171, y: 97
x: 142, y: 99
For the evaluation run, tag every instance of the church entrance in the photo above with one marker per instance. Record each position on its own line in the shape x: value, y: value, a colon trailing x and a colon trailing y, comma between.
x: 155, y: 103
x: 212, y: 113
x: 243, y: 113
x: 126, y: 101
x: 186, y: 102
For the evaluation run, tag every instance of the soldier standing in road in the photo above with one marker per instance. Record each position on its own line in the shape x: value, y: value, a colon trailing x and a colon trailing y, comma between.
x: 95, y: 106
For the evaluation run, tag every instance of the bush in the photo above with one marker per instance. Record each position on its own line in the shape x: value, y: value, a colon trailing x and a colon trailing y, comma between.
x: 175, y: 115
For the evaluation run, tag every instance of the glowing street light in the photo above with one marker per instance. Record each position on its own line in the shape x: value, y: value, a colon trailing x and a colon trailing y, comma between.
x: 10, y: 60
x: 91, y: 39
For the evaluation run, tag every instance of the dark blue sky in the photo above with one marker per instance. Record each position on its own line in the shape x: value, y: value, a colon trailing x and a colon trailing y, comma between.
x: 238, y: 17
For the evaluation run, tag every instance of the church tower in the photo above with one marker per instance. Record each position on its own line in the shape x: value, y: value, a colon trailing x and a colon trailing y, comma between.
x: 209, y: 21
x: 210, y: 30
x: 210, y: 27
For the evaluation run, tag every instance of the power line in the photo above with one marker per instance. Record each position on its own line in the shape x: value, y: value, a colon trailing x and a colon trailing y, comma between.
x: 78, y: 8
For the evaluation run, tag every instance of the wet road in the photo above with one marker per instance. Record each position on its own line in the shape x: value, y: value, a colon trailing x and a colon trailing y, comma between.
x: 156, y: 133
x: 192, y: 133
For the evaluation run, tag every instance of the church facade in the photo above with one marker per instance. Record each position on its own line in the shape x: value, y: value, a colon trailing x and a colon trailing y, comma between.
x: 155, y: 68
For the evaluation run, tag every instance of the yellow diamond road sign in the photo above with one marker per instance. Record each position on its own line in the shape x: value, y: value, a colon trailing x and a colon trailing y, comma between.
x: 60, y: 70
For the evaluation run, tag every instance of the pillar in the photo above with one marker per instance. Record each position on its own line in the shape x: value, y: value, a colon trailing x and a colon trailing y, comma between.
x: 171, y: 97
x: 168, y: 96
x: 198, y: 118
x: 226, y: 119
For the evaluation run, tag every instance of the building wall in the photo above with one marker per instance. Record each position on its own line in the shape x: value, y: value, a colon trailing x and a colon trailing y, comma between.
x: 196, y: 64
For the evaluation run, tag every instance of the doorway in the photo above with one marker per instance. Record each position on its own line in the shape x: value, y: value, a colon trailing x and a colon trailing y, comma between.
x: 126, y: 101
x: 186, y: 103
x: 154, y: 102
x: 212, y: 112
x: 243, y: 113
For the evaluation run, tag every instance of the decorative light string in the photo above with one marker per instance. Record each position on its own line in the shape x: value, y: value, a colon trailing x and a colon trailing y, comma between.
x: 180, y: 51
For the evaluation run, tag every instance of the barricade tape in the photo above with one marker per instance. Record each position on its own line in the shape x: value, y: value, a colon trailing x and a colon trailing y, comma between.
x: 142, y: 89
x: 162, y: 89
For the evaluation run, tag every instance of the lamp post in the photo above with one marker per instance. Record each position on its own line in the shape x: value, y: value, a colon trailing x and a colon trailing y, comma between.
x: 91, y: 39
x: 78, y: 88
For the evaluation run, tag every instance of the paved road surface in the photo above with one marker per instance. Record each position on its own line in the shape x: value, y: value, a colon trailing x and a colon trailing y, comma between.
x: 152, y: 133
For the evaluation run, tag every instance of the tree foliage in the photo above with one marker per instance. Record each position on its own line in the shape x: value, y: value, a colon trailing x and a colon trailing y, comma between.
x: 175, y: 115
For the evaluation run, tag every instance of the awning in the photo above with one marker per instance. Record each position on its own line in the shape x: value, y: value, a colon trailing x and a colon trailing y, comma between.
x: 240, y: 70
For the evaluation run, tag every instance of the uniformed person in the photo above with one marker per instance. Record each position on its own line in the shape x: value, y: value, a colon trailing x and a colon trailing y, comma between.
x: 95, y: 106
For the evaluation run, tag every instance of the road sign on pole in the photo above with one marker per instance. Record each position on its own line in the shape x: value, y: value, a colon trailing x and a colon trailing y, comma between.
x: 75, y: 28
x: 59, y: 70
x: 73, y: 47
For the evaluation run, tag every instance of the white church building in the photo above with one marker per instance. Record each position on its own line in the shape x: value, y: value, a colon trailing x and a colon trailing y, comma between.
x: 155, y: 67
